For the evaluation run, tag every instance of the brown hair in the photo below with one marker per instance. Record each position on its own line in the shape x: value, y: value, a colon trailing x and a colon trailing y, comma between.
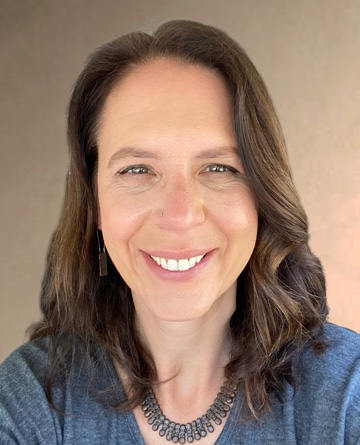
x: 281, y: 302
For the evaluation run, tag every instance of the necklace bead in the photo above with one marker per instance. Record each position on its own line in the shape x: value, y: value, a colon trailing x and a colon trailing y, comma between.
x: 195, y: 430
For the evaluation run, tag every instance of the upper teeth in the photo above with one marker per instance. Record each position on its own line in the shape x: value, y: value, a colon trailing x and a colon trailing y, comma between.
x: 171, y: 264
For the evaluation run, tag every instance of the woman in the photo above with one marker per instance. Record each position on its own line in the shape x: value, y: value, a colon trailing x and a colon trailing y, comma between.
x: 181, y: 300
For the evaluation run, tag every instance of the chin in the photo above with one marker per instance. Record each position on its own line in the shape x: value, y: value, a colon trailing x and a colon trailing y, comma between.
x: 175, y: 317
x: 180, y: 310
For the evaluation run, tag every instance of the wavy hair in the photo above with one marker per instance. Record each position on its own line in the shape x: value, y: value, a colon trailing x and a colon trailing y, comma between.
x: 281, y: 298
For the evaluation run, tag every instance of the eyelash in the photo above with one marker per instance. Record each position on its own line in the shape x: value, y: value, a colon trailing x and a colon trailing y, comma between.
x: 142, y: 169
x: 220, y: 168
x: 212, y: 168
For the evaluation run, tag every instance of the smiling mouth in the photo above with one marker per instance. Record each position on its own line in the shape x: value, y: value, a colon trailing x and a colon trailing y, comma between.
x: 178, y: 265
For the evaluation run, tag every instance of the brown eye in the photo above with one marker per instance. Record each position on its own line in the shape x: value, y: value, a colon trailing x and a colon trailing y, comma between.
x: 136, y: 170
x: 220, y: 168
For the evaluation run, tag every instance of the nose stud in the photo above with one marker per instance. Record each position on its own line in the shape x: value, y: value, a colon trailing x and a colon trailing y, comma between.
x: 161, y: 214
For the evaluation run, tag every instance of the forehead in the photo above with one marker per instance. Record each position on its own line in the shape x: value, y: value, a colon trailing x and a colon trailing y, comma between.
x: 170, y: 75
x: 167, y: 102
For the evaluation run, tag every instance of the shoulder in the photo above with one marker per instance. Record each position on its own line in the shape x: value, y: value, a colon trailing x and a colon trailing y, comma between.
x: 29, y: 360
x: 338, y: 367
x: 22, y: 377
x: 342, y: 338
x: 328, y: 393
x: 341, y: 357
x: 23, y: 372
x: 81, y: 416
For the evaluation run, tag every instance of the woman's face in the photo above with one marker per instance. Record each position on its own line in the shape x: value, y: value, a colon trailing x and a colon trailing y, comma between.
x: 177, y: 216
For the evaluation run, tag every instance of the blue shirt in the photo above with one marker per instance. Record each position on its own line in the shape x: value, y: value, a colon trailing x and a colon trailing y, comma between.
x: 325, y: 409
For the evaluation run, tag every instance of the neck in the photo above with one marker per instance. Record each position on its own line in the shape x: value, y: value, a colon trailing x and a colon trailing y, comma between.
x: 189, y: 356
x: 191, y: 350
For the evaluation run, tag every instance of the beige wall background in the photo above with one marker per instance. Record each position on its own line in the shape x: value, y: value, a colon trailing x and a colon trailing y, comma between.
x: 307, y: 51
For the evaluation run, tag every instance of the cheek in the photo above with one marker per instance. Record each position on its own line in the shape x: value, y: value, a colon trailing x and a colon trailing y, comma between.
x: 238, y: 216
x: 121, y: 218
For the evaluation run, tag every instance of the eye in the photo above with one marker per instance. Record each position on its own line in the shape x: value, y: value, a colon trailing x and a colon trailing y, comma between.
x: 220, y: 175
x: 220, y: 168
x: 137, y: 177
x: 136, y: 170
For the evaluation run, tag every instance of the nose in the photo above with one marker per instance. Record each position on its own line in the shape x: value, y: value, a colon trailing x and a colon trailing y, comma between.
x: 182, y: 205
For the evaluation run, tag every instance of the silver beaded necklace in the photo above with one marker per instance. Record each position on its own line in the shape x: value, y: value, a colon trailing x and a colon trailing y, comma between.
x: 195, y: 430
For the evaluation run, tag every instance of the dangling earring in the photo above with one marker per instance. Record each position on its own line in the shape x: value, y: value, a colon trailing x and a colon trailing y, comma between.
x: 102, y: 257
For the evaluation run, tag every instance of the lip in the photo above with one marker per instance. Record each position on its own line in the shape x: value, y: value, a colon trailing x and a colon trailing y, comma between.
x: 184, y: 275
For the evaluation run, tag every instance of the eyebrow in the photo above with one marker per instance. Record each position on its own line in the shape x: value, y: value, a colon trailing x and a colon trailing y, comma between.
x: 218, y: 152
x: 135, y: 152
x: 130, y: 152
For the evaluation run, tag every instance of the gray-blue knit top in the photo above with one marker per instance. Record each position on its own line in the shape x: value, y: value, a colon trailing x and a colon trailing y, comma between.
x: 324, y: 410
